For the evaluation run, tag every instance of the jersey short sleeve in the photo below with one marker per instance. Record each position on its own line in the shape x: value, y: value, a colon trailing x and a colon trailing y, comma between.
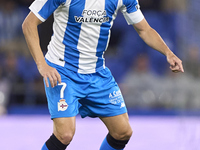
x: 44, y: 8
x: 131, y: 11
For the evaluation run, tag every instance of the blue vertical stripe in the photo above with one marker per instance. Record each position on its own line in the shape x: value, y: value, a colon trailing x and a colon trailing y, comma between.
x: 72, y: 34
x: 110, y: 7
x: 49, y: 7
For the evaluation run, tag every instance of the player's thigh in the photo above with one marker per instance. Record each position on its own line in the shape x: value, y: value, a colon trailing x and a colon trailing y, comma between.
x: 118, y: 126
x: 64, y: 128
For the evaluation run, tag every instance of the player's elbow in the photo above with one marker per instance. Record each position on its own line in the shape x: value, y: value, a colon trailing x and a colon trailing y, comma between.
x: 147, y: 34
x: 25, y: 26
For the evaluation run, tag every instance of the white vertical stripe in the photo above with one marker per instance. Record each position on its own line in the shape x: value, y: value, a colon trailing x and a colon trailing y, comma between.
x: 56, y: 49
x: 88, y: 38
x: 120, y: 3
x: 104, y: 65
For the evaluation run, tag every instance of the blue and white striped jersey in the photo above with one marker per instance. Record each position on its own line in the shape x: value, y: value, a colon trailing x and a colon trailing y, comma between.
x: 81, y: 29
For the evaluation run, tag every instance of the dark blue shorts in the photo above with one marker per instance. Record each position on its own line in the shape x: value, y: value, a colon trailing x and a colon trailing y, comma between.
x: 93, y: 95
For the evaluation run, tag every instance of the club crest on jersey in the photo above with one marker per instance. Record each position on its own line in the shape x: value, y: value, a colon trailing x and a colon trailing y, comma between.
x: 62, y: 105
x: 95, y: 16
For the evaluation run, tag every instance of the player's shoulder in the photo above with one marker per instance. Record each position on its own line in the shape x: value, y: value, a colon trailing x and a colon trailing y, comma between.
x: 130, y: 5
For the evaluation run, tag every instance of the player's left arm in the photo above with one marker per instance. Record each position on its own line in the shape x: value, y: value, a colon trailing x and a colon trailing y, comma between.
x: 154, y: 40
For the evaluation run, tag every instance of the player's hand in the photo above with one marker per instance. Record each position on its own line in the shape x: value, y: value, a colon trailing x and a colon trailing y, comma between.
x: 175, y: 63
x: 50, y: 73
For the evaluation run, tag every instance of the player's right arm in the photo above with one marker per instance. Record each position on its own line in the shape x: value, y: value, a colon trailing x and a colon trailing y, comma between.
x: 30, y: 31
x: 133, y: 15
x: 154, y: 40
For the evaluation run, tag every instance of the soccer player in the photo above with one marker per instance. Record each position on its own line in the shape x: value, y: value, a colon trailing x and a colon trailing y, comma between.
x: 76, y: 79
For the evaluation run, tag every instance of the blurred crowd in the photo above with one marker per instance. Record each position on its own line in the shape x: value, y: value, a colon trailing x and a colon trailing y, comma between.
x: 142, y: 73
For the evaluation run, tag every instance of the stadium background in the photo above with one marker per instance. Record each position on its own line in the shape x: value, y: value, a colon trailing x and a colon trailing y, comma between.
x: 148, y: 86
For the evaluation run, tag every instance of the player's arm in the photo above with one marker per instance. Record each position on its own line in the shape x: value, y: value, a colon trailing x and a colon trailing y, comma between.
x: 153, y: 39
x: 30, y: 31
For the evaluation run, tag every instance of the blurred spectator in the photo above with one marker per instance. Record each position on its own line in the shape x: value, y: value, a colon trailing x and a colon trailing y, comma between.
x: 10, y: 67
x: 182, y: 90
x: 11, y: 17
x: 5, y: 89
x: 25, y: 81
x: 174, y: 5
x: 192, y: 61
x: 137, y: 86
x: 142, y: 89
x: 30, y: 76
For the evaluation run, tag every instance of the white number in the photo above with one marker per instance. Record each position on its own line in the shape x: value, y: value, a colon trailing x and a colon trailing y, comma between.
x: 62, y: 89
